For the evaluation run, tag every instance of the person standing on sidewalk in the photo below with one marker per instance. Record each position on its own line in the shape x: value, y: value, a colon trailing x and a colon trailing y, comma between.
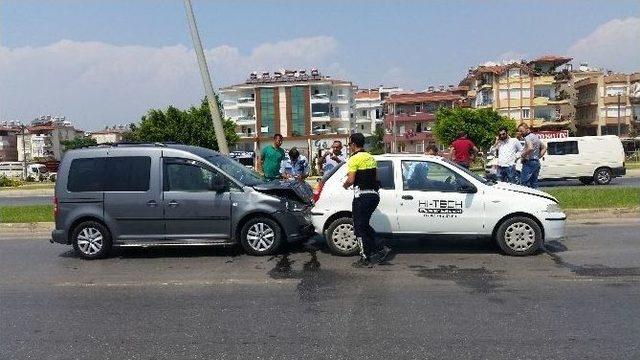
x: 508, y: 150
x: 363, y: 176
x: 271, y: 158
x: 533, y: 151
x: 463, y: 150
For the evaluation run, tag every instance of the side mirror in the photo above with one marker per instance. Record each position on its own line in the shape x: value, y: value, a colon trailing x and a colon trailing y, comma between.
x: 467, y: 188
x: 218, y: 184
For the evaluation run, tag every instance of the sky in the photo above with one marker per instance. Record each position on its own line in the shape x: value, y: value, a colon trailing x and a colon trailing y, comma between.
x: 105, y: 62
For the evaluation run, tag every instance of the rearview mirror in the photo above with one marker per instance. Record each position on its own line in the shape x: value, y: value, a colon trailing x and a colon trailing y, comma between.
x: 218, y: 184
x: 467, y: 188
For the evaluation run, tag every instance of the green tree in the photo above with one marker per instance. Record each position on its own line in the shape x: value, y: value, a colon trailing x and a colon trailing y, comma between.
x: 481, y: 125
x: 79, y: 142
x: 377, y: 142
x: 191, y: 127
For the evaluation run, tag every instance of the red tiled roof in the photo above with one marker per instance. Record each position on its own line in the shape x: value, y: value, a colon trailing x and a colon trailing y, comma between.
x: 558, y: 60
x: 421, y: 97
x: 368, y: 95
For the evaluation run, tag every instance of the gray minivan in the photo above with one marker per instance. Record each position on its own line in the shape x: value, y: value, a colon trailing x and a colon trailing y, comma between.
x: 167, y: 194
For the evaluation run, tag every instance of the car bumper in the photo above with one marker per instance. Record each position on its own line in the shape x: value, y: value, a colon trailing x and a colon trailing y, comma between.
x: 58, y: 236
x: 296, y: 225
x: 554, y: 226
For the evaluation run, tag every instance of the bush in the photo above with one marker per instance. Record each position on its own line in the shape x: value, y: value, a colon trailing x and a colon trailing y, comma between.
x: 9, y: 182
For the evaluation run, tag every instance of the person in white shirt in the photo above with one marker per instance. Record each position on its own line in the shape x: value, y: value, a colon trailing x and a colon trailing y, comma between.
x: 335, y: 157
x: 508, y: 150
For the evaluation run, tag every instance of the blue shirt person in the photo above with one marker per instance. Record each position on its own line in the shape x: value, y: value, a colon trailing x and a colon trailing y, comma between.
x: 296, y: 166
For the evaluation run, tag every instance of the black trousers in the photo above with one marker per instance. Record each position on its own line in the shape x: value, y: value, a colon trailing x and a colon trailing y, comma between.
x: 363, y: 207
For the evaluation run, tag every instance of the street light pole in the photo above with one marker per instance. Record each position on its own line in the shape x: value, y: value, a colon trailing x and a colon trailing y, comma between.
x: 24, y: 153
x: 206, y: 80
x: 618, y: 115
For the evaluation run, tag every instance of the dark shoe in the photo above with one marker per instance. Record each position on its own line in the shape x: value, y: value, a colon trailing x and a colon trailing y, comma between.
x: 362, y: 263
x: 381, y: 255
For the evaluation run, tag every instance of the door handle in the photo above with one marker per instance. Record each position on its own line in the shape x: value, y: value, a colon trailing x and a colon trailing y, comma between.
x: 152, y: 203
x: 407, y: 197
x: 173, y: 203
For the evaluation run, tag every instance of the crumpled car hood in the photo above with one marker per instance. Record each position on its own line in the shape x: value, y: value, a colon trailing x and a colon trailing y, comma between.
x: 295, y: 190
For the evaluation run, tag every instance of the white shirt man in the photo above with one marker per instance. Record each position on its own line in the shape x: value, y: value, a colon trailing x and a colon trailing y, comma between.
x: 509, y: 150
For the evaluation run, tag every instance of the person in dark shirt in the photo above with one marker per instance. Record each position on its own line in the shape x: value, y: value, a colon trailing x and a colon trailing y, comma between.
x: 362, y: 174
x: 463, y: 150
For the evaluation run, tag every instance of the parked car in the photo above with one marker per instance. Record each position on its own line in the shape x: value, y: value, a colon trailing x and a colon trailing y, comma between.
x: 429, y: 195
x: 37, y: 172
x: 590, y: 159
x: 153, y: 195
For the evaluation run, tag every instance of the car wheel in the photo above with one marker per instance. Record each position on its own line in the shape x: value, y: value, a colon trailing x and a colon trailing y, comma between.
x: 586, y: 180
x: 91, y: 240
x: 341, y: 238
x: 519, y: 236
x: 602, y: 176
x: 260, y: 236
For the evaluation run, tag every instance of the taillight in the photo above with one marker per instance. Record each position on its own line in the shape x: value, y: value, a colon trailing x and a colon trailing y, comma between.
x: 317, y: 191
x: 55, y: 206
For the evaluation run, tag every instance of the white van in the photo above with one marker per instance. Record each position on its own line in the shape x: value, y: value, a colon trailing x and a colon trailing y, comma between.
x: 15, y: 169
x: 588, y: 158
x: 423, y: 195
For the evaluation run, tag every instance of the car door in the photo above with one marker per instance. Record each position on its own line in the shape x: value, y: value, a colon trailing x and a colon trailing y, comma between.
x: 561, y: 161
x: 132, y: 196
x: 384, y: 218
x: 192, y: 211
x: 433, y: 201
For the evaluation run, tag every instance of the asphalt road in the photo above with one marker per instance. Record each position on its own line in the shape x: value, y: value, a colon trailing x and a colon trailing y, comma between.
x: 436, y: 298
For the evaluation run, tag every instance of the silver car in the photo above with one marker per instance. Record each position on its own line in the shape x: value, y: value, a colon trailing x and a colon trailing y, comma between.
x: 165, y: 194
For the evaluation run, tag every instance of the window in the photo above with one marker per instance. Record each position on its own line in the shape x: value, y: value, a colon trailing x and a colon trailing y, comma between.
x: 297, y: 111
x: 514, y: 93
x: 363, y: 113
x: 418, y: 109
x: 127, y: 173
x: 616, y: 90
x: 377, y: 113
x: 562, y: 147
x: 504, y: 94
x: 187, y: 175
x: 385, y: 175
x: 268, y: 115
x: 515, y: 72
x: 86, y: 175
x: 430, y: 107
x: 428, y: 176
x: 123, y: 173
x: 526, y: 113
x: 543, y: 92
x: 526, y: 93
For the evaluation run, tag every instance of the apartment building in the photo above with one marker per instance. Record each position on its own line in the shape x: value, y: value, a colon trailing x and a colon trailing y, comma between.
x: 608, y: 104
x: 524, y: 91
x: 410, y: 117
x: 9, y: 141
x: 43, y: 138
x: 109, y: 135
x: 368, y: 108
x: 309, y: 109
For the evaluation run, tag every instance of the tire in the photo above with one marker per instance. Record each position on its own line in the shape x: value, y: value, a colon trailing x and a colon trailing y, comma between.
x: 519, y: 236
x: 341, y: 238
x: 602, y: 176
x: 260, y: 236
x: 586, y: 180
x: 91, y: 240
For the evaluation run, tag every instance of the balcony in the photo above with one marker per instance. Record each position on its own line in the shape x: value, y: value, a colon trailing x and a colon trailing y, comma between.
x: 320, y: 116
x: 613, y: 99
x: 246, y: 120
x: 410, y: 117
x: 340, y: 99
x: 246, y: 102
x: 320, y: 98
x: 409, y: 136
x: 363, y: 120
x: 244, y: 135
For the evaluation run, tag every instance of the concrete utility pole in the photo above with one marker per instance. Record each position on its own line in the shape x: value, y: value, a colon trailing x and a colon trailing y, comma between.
x: 618, y: 115
x: 206, y: 80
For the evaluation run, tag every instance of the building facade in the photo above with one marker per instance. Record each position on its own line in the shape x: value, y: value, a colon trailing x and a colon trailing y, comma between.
x: 369, y: 110
x: 410, y: 117
x: 310, y: 110
x: 109, y: 135
x: 43, y: 139
x: 608, y: 104
x: 523, y: 91
x: 9, y: 142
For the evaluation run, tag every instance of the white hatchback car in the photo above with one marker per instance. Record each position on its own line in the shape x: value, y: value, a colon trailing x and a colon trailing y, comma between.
x: 430, y: 195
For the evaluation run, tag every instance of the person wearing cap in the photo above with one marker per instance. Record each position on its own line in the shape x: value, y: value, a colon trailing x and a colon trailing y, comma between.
x: 296, y: 166
x: 362, y: 174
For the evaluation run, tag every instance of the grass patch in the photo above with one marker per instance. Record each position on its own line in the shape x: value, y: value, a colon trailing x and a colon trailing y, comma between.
x: 632, y: 165
x: 30, y: 186
x: 26, y: 213
x: 596, y: 197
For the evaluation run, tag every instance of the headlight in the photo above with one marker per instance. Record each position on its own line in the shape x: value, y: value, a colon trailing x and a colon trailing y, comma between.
x: 553, y: 208
x: 294, y: 206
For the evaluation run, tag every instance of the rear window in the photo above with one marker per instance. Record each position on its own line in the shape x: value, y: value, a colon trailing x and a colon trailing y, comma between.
x: 126, y: 173
x: 562, y: 148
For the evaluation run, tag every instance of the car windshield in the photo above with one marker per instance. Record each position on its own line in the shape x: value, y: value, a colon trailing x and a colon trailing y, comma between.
x: 469, y: 172
x: 241, y: 173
